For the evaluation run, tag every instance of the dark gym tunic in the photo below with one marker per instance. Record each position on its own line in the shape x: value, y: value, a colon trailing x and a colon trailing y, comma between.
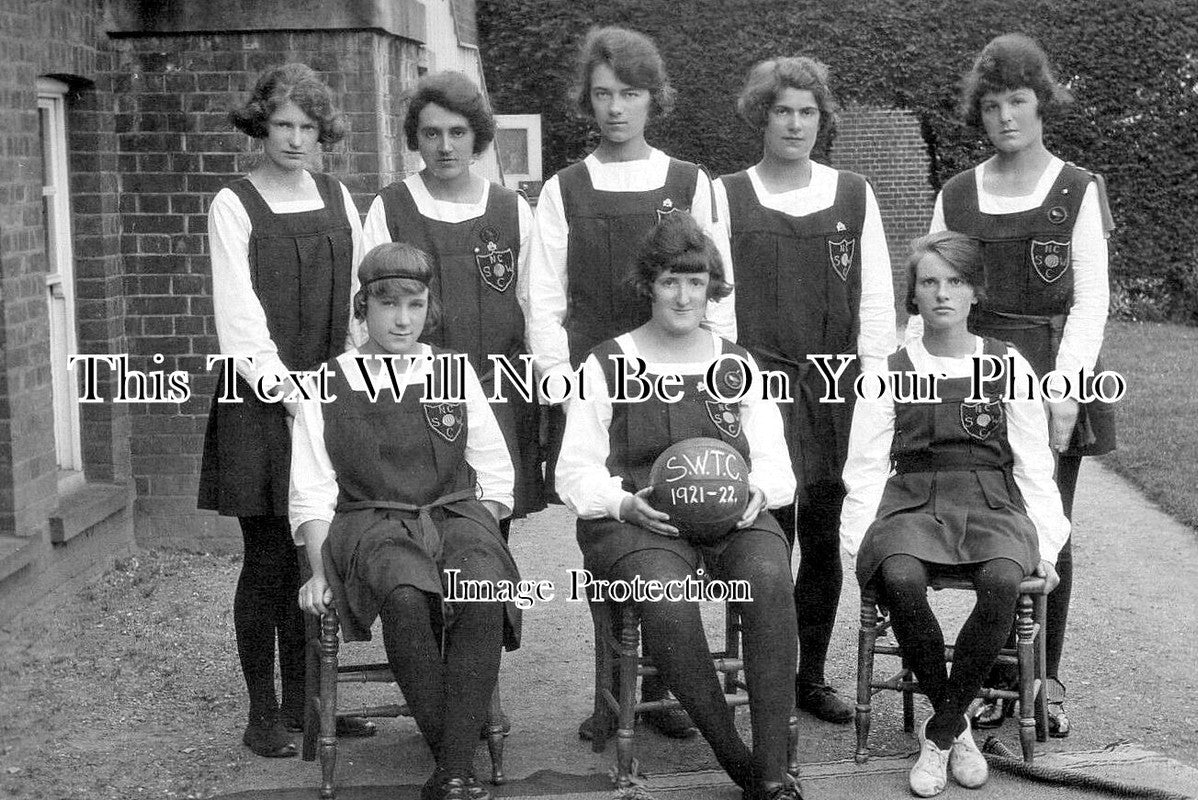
x: 1029, y: 282
x: 475, y: 280
x: 798, y: 292
x: 406, y: 504
x: 952, y: 499
x: 301, y: 268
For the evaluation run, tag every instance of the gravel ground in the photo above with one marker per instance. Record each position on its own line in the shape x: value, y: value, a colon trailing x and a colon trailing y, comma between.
x: 127, y: 689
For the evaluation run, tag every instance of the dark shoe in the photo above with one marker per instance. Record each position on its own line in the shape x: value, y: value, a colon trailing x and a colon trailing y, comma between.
x: 505, y: 727
x: 821, y: 701
x: 267, y: 737
x: 440, y: 787
x: 672, y: 722
x: 1058, y: 723
x: 586, y: 729
x: 991, y: 713
x: 347, y: 727
x: 790, y: 790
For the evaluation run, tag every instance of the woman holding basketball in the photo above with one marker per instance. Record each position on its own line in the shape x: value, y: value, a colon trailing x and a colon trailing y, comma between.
x: 603, y: 476
x: 1041, y: 226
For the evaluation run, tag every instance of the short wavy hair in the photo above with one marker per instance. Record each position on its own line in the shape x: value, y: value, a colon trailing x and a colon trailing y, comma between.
x: 455, y: 92
x: 959, y: 251
x: 633, y: 57
x: 1011, y: 61
x: 678, y: 244
x: 767, y: 79
x: 295, y: 83
x: 406, y: 271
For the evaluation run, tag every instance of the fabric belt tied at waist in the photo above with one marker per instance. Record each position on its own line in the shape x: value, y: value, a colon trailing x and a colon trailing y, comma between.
x: 1006, y: 321
x: 923, y: 462
x: 424, y: 528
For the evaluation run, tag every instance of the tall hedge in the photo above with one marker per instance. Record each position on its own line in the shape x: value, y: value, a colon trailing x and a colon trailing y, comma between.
x: 1132, y: 65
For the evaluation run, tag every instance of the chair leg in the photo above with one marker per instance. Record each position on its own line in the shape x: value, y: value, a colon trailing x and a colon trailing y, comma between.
x: 601, y: 715
x: 311, y: 687
x: 329, y: 625
x: 1040, y: 609
x: 629, y: 646
x: 866, y: 638
x: 495, y: 735
x: 1027, y: 669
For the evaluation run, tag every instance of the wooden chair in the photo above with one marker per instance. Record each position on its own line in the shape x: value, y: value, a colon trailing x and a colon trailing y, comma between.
x: 617, y: 709
x: 324, y: 672
x: 1028, y: 655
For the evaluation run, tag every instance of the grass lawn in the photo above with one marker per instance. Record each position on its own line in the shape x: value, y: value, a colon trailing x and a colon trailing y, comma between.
x: 1157, y: 421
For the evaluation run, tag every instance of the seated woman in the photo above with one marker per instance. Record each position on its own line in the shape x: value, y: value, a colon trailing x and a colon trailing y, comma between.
x: 603, y: 476
x: 386, y: 492
x: 970, y: 493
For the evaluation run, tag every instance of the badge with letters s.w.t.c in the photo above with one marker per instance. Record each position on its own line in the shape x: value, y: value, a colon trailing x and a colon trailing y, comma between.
x: 1050, y: 259
x: 725, y: 416
x: 981, y: 420
x: 840, y: 255
x: 445, y: 419
x: 496, y: 266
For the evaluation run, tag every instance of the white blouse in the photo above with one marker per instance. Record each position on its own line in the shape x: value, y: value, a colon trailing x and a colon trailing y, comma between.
x: 376, y: 231
x: 314, y: 480
x: 868, y: 466
x: 240, y: 320
x: 1081, y: 340
x: 591, y: 492
x: 876, y: 338
x: 549, y: 283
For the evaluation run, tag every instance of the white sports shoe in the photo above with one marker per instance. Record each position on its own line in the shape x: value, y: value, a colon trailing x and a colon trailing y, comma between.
x: 930, y: 774
x: 967, y: 763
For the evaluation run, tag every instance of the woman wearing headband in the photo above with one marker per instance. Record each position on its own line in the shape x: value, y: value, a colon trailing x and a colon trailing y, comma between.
x: 390, y: 492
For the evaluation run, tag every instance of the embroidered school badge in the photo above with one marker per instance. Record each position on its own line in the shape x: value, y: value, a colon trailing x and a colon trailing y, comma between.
x: 496, y: 267
x: 1050, y: 259
x: 667, y: 208
x: 724, y: 416
x: 840, y: 254
x: 445, y: 419
x: 980, y: 420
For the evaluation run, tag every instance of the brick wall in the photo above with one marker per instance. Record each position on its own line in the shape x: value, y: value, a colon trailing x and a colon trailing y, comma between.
x: 56, y: 39
x: 176, y: 150
x: 887, y: 146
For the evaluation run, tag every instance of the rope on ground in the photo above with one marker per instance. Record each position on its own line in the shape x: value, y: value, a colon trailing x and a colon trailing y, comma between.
x: 1001, y: 757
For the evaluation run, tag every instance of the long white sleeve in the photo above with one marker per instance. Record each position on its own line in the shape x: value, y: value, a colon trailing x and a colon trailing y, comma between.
x: 313, y: 493
x: 875, y: 340
x: 866, y: 469
x: 1081, y: 340
x: 377, y: 231
x: 868, y: 465
x: 241, y: 326
x: 549, y: 283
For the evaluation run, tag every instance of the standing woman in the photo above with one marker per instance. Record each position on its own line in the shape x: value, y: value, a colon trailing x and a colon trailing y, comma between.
x: 477, y: 234
x: 392, y: 492
x: 610, y: 448
x: 1040, y: 222
x: 283, y: 243
x: 592, y: 217
x: 813, y: 277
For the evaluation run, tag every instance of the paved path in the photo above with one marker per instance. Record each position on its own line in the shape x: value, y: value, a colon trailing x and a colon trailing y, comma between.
x: 1130, y: 669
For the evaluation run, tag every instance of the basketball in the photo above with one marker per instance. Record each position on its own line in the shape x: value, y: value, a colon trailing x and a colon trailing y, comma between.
x: 703, y: 484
